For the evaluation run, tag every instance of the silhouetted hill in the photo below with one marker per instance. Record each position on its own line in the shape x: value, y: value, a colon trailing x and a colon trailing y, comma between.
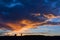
x: 31, y: 37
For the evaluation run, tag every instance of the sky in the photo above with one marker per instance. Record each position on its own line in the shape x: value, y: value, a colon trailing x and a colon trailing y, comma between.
x: 17, y: 16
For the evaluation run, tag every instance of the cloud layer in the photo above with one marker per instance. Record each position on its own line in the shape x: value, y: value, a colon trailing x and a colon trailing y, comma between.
x: 24, y: 14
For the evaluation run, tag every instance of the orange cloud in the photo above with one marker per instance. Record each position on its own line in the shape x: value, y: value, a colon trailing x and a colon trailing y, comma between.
x: 20, y: 26
x: 51, y: 16
x: 23, y: 25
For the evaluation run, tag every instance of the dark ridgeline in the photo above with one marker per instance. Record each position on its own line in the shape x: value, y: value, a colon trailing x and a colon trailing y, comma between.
x: 37, y: 37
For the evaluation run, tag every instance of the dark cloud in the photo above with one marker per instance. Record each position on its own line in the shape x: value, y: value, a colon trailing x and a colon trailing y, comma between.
x: 13, y: 11
x: 51, y: 23
x: 3, y: 26
x: 19, y: 12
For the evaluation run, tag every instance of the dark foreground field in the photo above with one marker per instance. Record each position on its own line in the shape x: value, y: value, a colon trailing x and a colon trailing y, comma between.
x: 30, y: 37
